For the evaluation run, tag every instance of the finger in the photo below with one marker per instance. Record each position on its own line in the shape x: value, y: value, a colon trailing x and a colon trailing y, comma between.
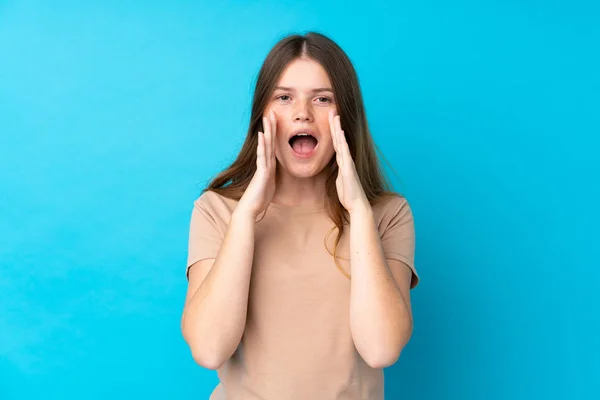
x: 332, y: 130
x: 345, y: 148
x: 340, y: 138
x: 267, y: 139
x: 338, y: 129
x: 260, y: 150
x: 271, y: 148
x: 344, y: 144
x: 338, y: 125
x: 273, y: 134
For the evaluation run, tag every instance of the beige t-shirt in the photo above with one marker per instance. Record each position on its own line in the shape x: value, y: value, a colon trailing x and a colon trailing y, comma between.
x: 297, y: 342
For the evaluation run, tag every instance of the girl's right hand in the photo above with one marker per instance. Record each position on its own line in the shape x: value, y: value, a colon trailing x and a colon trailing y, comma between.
x: 260, y: 191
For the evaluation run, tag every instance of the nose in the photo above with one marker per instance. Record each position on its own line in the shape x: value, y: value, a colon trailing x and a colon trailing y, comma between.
x: 303, y: 113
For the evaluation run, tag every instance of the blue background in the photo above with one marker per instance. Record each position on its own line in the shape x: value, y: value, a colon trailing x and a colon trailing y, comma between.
x: 113, y: 115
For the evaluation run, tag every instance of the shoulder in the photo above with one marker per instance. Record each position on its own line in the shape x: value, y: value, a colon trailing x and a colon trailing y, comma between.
x: 215, y: 205
x: 390, y: 207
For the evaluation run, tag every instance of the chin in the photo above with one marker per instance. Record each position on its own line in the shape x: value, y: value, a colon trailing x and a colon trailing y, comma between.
x: 299, y: 172
x: 303, y: 171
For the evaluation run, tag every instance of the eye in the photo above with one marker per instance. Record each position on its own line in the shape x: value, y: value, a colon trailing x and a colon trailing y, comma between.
x: 283, y: 97
x: 324, y: 99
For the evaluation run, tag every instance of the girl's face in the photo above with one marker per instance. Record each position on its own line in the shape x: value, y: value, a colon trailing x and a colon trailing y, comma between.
x: 302, y: 100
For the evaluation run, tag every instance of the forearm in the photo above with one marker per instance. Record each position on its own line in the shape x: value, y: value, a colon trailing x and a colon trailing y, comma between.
x: 380, y: 318
x: 215, y: 317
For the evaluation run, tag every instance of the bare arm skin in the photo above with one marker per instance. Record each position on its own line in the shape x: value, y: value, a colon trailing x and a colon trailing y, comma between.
x: 216, y: 305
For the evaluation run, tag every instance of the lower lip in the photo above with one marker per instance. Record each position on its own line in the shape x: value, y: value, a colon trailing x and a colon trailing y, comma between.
x: 305, y: 155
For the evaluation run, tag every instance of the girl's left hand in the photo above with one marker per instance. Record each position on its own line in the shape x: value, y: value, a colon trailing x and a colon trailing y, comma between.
x: 350, y: 191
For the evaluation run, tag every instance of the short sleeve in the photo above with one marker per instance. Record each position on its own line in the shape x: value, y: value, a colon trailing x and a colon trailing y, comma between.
x: 398, y: 234
x: 205, y: 237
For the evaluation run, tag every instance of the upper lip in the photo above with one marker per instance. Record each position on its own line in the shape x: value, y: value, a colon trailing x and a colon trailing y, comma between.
x: 303, y: 130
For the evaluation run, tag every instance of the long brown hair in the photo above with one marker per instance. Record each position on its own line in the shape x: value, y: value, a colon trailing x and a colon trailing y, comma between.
x: 233, y: 181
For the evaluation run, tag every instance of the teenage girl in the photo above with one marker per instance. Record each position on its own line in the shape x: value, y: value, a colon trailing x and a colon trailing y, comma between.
x: 301, y: 258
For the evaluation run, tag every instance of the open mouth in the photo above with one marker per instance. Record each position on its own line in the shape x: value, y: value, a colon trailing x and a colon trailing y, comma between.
x: 303, y: 144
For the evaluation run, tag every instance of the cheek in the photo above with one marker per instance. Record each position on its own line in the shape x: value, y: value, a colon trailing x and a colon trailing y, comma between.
x: 327, y: 146
x: 323, y: 122
x: 281, y: 117
x: 279, y: 110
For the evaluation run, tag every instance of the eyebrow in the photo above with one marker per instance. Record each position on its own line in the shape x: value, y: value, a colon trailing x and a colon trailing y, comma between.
x: 317, y: 90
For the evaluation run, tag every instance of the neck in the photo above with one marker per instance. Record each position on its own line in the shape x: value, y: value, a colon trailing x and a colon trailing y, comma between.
x: 294, y: 191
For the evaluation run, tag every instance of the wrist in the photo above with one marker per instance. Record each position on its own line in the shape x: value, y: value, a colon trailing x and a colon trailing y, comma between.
x: 241, y: 213
x: 361, y: 210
